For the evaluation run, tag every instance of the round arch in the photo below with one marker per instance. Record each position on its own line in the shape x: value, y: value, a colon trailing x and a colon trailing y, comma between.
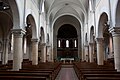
x: 103, y: 33
x: 30, y: 21
x: 69, y: 14
x: 101, y: 24
x: 15, y: 12
x: 78, y: 27
x: 66, y: 31
x: 72, y: 21
x: 6, y: 23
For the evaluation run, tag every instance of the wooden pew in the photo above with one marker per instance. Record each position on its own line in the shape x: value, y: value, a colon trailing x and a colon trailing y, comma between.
x: 49, y: 70
x: 44, y: 67
x: 21, y: 78
x: 88, y: 73
x: 27, y: 74
x: 91, y: 71
x: 102, y: 78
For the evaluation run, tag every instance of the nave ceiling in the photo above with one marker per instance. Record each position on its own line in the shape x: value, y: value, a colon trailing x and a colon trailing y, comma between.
x: 58, y: 8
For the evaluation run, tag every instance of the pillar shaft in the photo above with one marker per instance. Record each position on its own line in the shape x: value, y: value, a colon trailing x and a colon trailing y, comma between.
x: 5, y: 51
x: 29, y: 51
x: 91, y: 51
x: 43, y: 52
x: 17, y: 49
x: 34, y: 51
x: 100, y: 51
x: 116, y: 44
x: 85, y: 55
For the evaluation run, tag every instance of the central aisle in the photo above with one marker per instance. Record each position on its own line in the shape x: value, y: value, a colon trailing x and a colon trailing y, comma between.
x: 67, y: 73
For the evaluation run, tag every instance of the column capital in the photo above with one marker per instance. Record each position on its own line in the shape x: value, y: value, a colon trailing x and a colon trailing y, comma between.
x: 18, y: 32
x: 43, y: 44
x: 115, y: 31
x: 34, y: 40
x: 91, y: 43
x: 99, y: 40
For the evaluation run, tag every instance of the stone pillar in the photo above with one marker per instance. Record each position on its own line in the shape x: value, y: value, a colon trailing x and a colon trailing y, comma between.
x: 51, y: 54
x: 29, y: 51
x: 48, y: 53
x: 34, y: 55
x: 17, y: 49
x: 5, y: 51
x: 54, y: 47
x: 91, y: 51
x: 116, y: 44
x: 100, y: 51
x: 85, y: 56
x: 43, y: 52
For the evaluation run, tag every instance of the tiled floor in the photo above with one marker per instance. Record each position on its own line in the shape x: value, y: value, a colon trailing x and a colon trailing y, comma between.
x: 67, y: 73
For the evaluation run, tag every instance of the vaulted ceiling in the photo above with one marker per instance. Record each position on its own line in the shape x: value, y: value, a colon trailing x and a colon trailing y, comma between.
x: 56, y: 8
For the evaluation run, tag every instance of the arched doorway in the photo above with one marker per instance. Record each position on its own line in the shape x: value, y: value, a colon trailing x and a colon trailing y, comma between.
x: 67, y: 42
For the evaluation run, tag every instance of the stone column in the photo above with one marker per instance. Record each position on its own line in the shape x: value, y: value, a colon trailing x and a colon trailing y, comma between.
x: 51, y: 54
x: 5, y: 51
x: 43, y: 52
x: 100, y: 51
x: 91, y: 51
x: 48, y: 53
x: 116, y: 44
x: 85, y: 56
x: 55, y: 47
x: 29, y: 51
x: 17, y: 49
x: 34, y: 55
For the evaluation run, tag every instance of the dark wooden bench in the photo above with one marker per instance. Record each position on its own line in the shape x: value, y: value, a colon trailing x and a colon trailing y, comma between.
x: 42, y: 71
x: 22, y: 78
x: 91, y: 71
x: 52, y: 68
x: 102, y: 78
x: 46, y: 76
x: 84, y: 73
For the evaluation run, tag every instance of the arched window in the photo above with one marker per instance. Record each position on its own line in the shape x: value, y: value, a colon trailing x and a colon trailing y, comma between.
x: 75, y: 43
x: 59, y: 42
x: 67, y: 43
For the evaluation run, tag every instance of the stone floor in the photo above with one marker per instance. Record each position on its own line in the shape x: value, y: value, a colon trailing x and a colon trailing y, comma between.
x: 67, y: 73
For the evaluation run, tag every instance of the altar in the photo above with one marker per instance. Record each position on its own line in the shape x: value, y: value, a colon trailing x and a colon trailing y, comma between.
x: 68, y: 60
